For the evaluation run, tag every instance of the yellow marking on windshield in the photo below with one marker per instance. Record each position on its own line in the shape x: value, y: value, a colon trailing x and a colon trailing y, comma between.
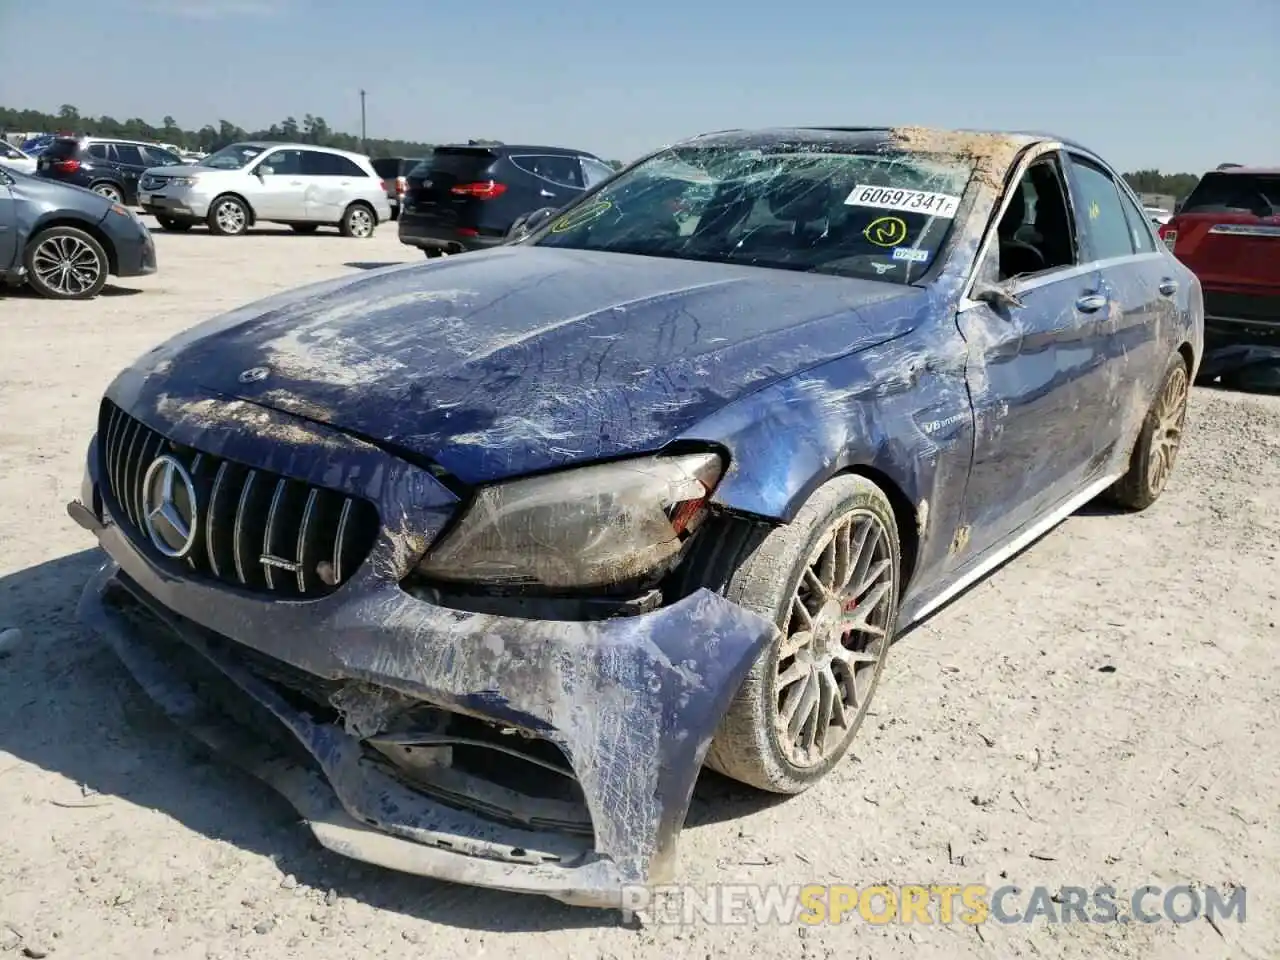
x: 886, y: 231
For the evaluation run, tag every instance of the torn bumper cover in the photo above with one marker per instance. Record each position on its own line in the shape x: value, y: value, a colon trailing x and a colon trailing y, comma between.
x: 631, y: 705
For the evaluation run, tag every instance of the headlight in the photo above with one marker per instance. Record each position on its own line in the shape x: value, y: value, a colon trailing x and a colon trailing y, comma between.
x: 183, y: 181
x: 581, y: 528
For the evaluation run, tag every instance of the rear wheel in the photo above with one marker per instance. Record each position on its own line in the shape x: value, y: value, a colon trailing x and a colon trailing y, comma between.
x: 1159, y: 441
x: 174, y: 225
x: 358, y: 221
x: 304, y: 227
x: 110, y: 191
x: 228, y: 217
x: 829, y: 581
x: 64, y: 263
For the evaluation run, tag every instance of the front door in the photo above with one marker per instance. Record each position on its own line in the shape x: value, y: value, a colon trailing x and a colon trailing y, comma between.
x: 280, y: 193
x: 1036, y: 363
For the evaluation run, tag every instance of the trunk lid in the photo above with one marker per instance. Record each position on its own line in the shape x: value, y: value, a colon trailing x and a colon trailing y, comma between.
x: 429, y: 190
x: 1228, y: 232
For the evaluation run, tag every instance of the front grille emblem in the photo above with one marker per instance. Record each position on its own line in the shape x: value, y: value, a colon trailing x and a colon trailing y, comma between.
x: 169, y: 510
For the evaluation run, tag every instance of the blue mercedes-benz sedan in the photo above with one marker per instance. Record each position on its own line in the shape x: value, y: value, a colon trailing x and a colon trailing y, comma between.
x: 479, y: 561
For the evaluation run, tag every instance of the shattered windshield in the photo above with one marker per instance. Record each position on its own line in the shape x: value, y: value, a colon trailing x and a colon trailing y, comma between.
x: 233, y: 157
x: 880, y: 215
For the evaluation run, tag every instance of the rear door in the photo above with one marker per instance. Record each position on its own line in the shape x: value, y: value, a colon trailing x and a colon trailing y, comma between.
x: 129, y: 162
x: 558, y: 178
x: 1228, y: 233
x: 1140, y: 291
x: 461, y: 189
x: 332, y: 181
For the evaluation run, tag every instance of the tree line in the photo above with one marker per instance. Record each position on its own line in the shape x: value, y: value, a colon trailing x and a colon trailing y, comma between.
x: 313, y: 129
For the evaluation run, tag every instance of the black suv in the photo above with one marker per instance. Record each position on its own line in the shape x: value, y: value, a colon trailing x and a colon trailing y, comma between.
x: 105, y: 165
x: 466, y: 197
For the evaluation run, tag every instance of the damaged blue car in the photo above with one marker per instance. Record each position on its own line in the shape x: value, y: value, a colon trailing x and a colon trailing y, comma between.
x: 480, y: 561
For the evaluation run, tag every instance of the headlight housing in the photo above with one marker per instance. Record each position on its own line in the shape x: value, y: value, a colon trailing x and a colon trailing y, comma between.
x: 582, y: 528
x: 183, y: 181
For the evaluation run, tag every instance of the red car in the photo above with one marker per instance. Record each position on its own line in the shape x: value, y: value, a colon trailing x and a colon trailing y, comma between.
x: 1228, y: 233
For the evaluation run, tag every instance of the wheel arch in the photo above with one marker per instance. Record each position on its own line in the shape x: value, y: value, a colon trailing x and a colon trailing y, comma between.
x: 361, y: 202
x: 61, y: 219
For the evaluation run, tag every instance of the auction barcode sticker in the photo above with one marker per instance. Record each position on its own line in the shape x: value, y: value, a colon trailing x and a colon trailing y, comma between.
x: 908, y: 201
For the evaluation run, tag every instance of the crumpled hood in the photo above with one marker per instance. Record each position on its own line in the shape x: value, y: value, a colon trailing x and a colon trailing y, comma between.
x: 519, y: 359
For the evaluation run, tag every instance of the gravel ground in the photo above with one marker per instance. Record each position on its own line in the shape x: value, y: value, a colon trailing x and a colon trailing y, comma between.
x: 1102, y: 711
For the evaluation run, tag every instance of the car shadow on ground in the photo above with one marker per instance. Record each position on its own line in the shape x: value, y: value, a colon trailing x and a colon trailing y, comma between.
x: 323, y: 231
x: 374, y: 264
x: 69, y: 707
x: 24, y: 292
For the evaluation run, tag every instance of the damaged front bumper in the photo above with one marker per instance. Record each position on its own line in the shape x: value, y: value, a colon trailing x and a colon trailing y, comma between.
x: 374, y: 760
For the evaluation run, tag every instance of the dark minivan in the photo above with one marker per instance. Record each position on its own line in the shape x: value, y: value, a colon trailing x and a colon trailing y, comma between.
x: 466, y: 197
x: 105, y: 165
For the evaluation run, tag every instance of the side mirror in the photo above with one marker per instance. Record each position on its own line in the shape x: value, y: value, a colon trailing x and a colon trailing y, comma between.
x: 530, y: 222
x: 996, y: 295
x: 262, y: 171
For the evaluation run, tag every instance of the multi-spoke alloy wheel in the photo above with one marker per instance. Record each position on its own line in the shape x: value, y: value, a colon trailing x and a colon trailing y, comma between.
x: 1158, y: 442
x: 357, y: 222
x: 228, y: 216
x: 1170, y: 413
x: 112, y: 193
x: 828, y: 661
x: 829, y: 580
x: 64, y: 263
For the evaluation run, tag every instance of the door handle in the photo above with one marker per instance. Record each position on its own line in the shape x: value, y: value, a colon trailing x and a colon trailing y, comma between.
x: 1168, y: 287
x: 545, y: 193
x: 1091, y: 303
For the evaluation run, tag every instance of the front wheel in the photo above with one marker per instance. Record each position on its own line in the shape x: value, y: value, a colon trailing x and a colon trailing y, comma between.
x: 1159, y: 441
x: 228, y: 217
x: 64, y: 263
x: 829, y: 580
x: 358, y: 221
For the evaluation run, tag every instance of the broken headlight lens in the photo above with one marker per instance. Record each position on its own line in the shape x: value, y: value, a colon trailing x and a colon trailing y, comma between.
x: 588, y: 527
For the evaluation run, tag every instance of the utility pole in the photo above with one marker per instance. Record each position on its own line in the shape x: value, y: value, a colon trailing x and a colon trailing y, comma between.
x: 363, y: 148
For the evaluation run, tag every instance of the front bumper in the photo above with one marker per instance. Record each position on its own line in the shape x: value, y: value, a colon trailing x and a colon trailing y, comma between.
x: 135, y: 252
x: 631, y: 703
x: 181, y: 202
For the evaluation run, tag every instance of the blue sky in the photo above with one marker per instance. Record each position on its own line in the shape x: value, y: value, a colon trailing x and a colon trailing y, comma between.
x: 1179, y: 84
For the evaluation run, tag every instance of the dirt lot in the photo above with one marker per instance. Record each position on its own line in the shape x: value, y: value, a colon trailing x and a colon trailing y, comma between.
x: 1103, y: 711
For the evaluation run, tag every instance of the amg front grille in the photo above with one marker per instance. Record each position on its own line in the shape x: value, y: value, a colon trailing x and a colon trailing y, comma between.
x: 247, y: 527
x: 1242, y: 306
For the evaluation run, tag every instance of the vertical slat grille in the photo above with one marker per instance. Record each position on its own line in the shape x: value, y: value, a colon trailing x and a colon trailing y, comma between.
x: 255, y: 530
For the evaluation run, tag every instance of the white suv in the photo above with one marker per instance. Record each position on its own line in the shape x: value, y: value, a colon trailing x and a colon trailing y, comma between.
x: 301, y: 185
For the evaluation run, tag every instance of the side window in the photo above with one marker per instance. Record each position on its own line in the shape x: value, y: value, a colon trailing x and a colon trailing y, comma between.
x: 283, y: 163
x: 160, y: 158
x: 100, y: 151
x: 345, y: 167
x: 1036, y: 234
x: 1139, y: 225
x: 129, y: 154
x: 558, y: 169
x: 1099, y: 213
x: 594, y: 171
x: 317, y: 164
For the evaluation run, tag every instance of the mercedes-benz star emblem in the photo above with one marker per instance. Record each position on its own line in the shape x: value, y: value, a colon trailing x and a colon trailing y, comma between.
x: 169, y: 510
x: 255, y: 374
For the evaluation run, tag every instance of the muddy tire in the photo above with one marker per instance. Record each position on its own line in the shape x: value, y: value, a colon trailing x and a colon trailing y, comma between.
x: 228, y: 216
x: 830, y: 581
x: 1158, y: 443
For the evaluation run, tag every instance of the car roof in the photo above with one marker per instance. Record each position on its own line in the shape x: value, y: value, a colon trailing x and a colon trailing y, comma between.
x: 300, y: 146
x: 1234, y: 171
x: 521, y: 148
x: 874, y: 137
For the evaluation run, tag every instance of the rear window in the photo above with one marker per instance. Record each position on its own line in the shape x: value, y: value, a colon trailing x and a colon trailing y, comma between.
x: 462, y: 162
x: 1240, y: 192
x: 63, y: 148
